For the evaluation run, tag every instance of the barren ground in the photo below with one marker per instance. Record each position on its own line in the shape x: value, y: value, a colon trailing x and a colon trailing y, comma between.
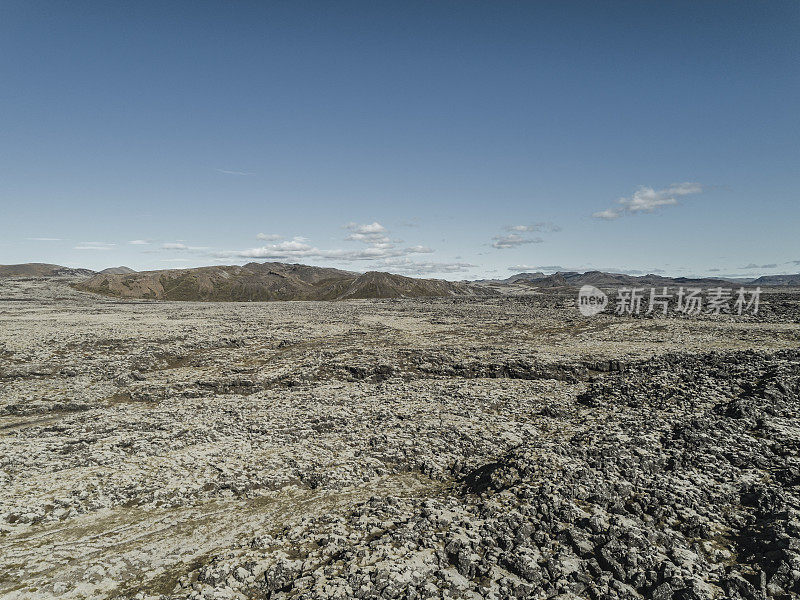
x: 460, y: 448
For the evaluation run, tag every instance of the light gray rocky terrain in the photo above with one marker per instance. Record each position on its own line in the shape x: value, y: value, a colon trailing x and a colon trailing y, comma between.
x: 497, y: 447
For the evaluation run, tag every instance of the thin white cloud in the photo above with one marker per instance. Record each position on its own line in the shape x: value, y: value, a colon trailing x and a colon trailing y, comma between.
x: 369, y: 238
x: 234, y: 172
x: 287, y: 248
x: 182, y: 246
x: 405, y: 266
x: 520, y: 268
x: 754, y: 266
x: 513, y: 240
x: 94, y: 246
x: 418, y: 250
x: 369, y: 233
x: 647, y: 200
x: 376, y: 246
x: 373, y: 227
x: 43, y: 239
x: 379, y: 245
x: 139, y: 242
x: 542, y: 226
x: 518, y: 235
x: 298, y: 249
x: 607, y: 214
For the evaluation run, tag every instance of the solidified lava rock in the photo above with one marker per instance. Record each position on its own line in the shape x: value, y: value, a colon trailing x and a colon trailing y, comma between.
x: 679, y: 481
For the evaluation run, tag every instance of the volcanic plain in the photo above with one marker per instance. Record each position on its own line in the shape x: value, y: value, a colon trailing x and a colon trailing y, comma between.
x: 455, y: 447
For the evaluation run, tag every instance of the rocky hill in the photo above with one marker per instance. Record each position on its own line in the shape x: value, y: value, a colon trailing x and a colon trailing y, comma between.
x: 524, y: 277
x: 117, y: 270
x: 41, y: 270
x: 778, y: 280
x: 268, y: 281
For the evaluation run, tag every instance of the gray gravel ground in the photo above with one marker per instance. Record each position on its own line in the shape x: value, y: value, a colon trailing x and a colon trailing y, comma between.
x: 444, y: 448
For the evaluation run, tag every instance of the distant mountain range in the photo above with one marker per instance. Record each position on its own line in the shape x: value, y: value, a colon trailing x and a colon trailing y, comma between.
x: 269, y: 281
x: 600, y: 278
x: 282, y: 281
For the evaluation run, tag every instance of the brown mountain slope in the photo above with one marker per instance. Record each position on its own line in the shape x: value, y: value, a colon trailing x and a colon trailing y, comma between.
x: 267, y: 281
x: 375, y: 284
x: 40, y: 270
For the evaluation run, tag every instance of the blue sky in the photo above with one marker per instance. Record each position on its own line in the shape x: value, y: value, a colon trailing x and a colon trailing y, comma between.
x: 449, y: 139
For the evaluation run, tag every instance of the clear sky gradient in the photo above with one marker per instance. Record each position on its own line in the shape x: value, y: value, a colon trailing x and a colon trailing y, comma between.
x: 449, y: 139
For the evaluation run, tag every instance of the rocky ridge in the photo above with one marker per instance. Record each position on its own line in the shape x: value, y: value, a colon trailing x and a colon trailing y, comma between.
x: 268, y: 281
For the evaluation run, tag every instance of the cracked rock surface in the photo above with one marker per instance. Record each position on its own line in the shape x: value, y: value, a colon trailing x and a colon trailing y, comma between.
x: 440, y: 448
